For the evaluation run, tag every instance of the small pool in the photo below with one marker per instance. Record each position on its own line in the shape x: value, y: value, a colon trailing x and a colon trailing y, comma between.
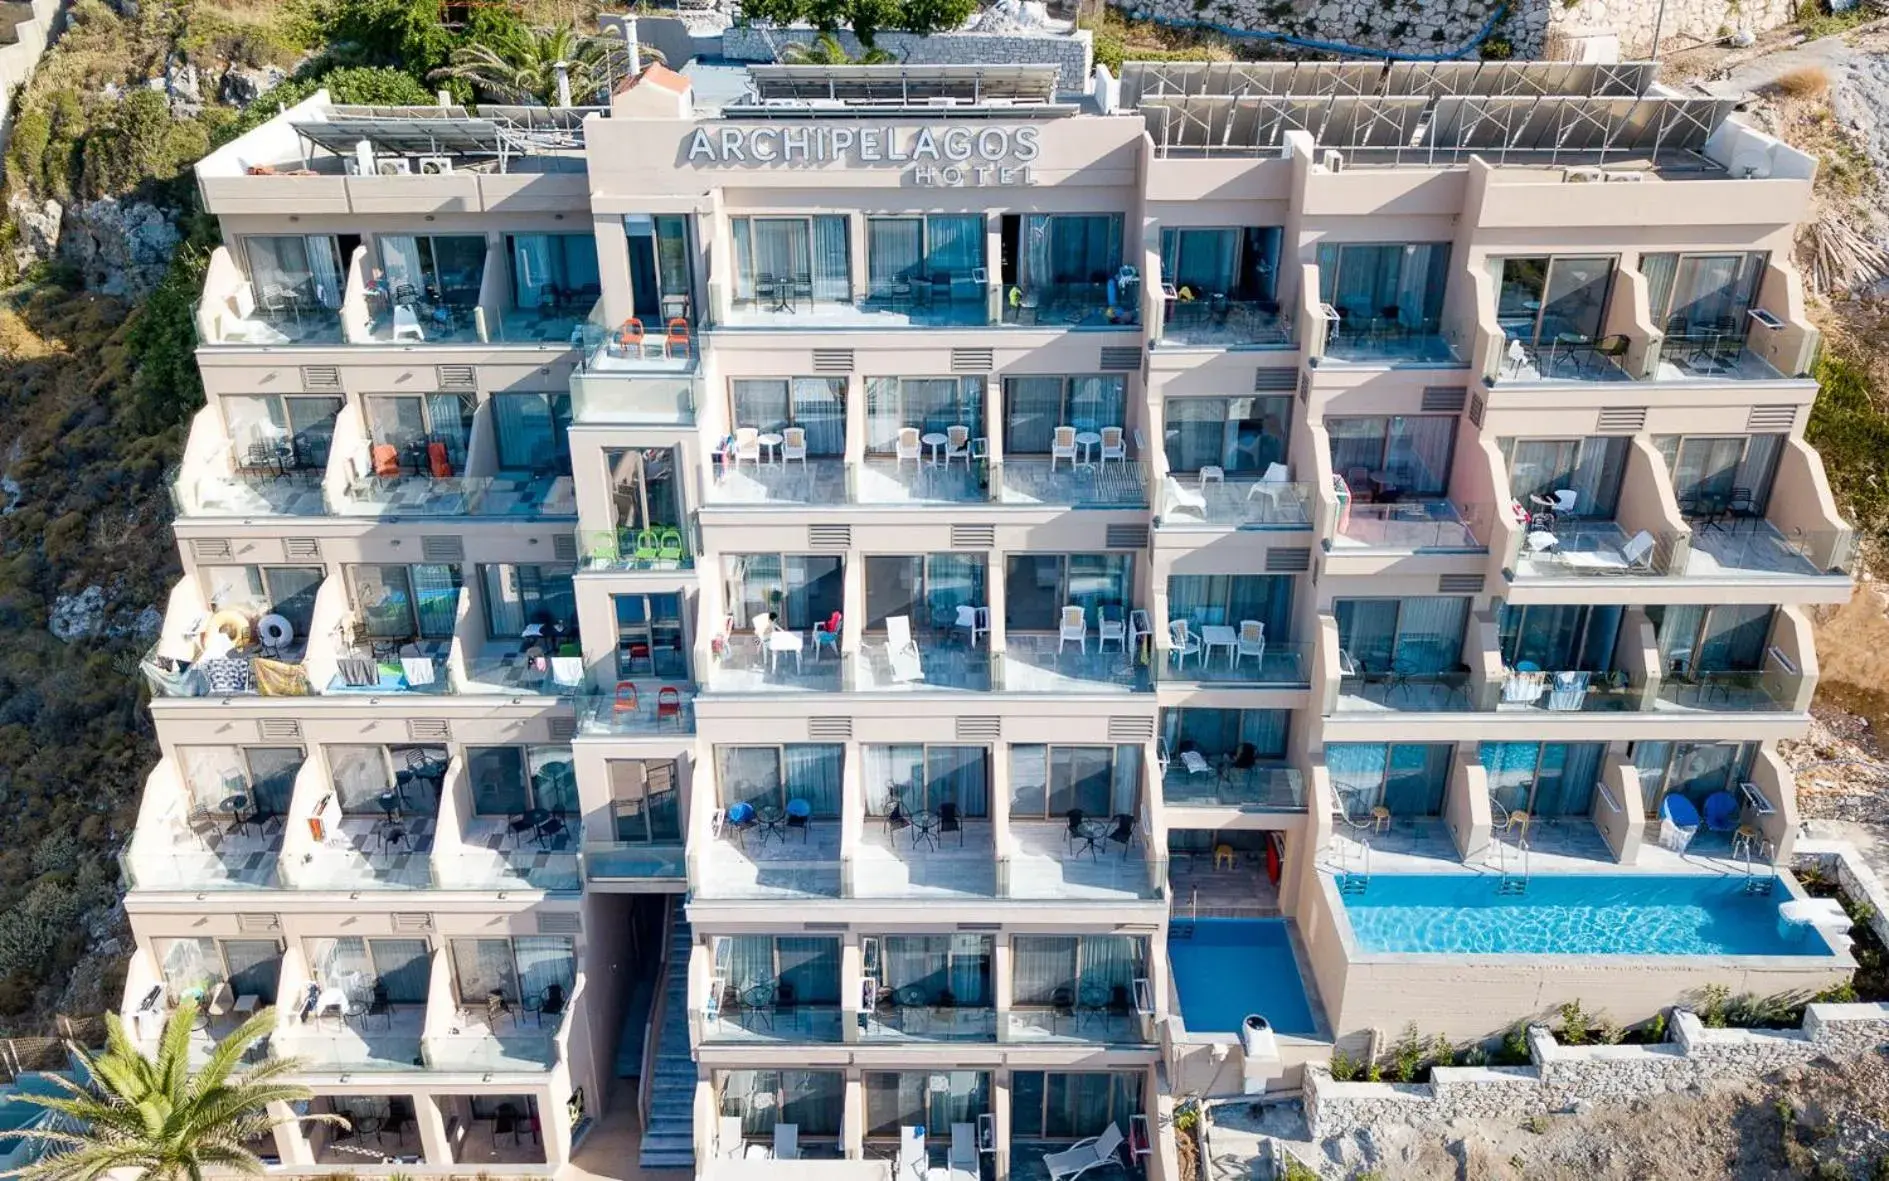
x: 1227, y: 968
x: 15, y: 1113
x: 1575, y: 914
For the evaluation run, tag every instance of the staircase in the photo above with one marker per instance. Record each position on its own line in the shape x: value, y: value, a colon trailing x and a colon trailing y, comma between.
x: 669, y: 1133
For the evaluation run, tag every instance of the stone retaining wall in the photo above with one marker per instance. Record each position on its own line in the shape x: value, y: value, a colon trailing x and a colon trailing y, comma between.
x: 1071, y: 53
x: 1565, y: 1078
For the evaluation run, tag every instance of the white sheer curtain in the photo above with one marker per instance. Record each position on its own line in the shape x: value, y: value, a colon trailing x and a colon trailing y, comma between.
x: 324, y: 266
x: 213, y: 774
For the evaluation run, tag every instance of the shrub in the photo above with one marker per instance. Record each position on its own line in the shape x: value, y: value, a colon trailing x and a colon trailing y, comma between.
x: 870, y: 16
x: 780, y: 13
x: 1344, y: 1068
x: 1514, y: 1048
x: 1573, y: 1023
x: 1712, y: 1005
x: 1407, y: 1056
x: 925, y: 17
x: 1803, y: 82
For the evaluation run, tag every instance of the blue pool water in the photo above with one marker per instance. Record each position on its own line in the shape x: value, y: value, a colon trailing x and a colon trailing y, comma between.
x: 16, y: 1114
x: 1583, y: 914
x: 1231, y: 967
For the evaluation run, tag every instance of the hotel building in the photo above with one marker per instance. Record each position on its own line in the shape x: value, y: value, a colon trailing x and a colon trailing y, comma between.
x: 826, y: 592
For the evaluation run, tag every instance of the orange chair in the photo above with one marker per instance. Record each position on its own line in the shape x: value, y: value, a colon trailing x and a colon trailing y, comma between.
x: 386, y: 460
x: 668, y: 704
x: 436, y: 459
x: 626, y: 698
x: 677, y: 342
x: 630, y: 337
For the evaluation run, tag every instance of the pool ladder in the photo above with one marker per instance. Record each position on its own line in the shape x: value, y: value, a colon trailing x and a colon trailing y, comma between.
x: 1754, y: 884
x: 1180, y: 930
x: 1512, y: 882
x: 1355, y: 881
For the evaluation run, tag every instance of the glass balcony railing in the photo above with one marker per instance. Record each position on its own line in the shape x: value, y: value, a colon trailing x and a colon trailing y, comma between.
x: 1769, y: 690
x: 516, y: 495
x: 1220, y: 323
x: 219, y: 488
x: 526, y: 1050
x: 1283, y: 664
x: 665, y: 548
x: 1221, y: 784
x: 519, y: 869
x: 1033, y: 662
x: 630, y: 861
x: 1427, y: 525
x: 1103, y: 1023
x: 1569, y: 691
x: 1040, y: 480
x: 514, y: 672
x: 911, y: 1014
x: 757, y: 1015
x: 1069, y: 305
x: 194, y: 870
x: 1237, y: 503
x: 645, y: 711
x: 602, y: 394
x: 1401, y: 691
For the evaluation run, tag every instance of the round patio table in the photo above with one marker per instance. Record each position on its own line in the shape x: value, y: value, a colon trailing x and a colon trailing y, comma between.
x: 773, y: 822
x: 925, y: 828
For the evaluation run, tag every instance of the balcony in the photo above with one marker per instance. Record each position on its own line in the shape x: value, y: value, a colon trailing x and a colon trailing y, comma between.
x: 760, y: 1013
x: 1402, y: 689
x: 1776, y: 686
x: 1043, y: 865
x: 219, y: 478
x: 1068, y: 305
x: 913, y: 1014
x: 363, y: 853
x: 744, y: 663
x: 410, y: 495
x: 329, y: 1029
x: 1283, y: 665
x: 1581, y: 548
x: 944, y: 662
x: 960, y: 303
x: 1359, y: 339
x: 232, y: 311
x: 618, y: 550
x: 643, y: 712
x: 1033, y: 481
x: 1581, y: 359
x: 1407, y: 526
x: 630, y: 351
x: 1747, y: 547
x: 1219, y: 323
x: 1094, y: 1018
x: 1569, y: 691
x: 1710, y: 355
x: 910, y: 863
x: 1216, y: 783
x: 491, y: 856
x: 468, y: 1040
x: 1039, y: 663
x: 879, y: 480
x: 815, y: 482
x: 516, y: 669
x: 179, y: 847
x: 1237, y: 503
x: 215, y: 650
x: 751, y: 866
x: 630, y: 861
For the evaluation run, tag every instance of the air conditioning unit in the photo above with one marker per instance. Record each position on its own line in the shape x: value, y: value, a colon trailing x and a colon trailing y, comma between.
x: 435, y: 165
x: 393, y: 166
x: 1625, y: 177
x: 1581, y: 176
x: 1333, y: 161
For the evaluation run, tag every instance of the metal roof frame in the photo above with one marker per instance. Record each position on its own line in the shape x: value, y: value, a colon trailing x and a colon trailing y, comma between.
x: 903, y: 85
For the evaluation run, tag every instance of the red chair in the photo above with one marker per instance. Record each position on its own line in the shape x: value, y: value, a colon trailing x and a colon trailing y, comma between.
x: 630, y: 337
x: 677, y: 342
x: 626, y: 699
x: 386, y: 460
x: 436, y: 457
x: 668, y: 704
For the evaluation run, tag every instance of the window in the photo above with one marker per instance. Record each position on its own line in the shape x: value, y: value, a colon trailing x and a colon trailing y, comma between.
x: 930, y: 404
x: 1063, y: 969
x: 1038, y: 586
x: 659, y: 249
x: 1695, y: 640
x: 363, y: 774
x: 1591, y: 468
x: 411, y: 425
x: 1560, y: 637
x: 922, y: 1098
x: 797, y: 590
x: 1218, y: 732
x: 405, y: 602
x: 265, y: 773
x: 305, y: 271
x: 939, y: 251
x: 645, y: 490
x: 1694, y: 770
x: 1049, y: 781
x: 1690, y: 293
x: 1421, y: 636
x: 1068, y: 1106
x: 649, y: 636
x: 288, y: 591
x: 516, y: 596
x: 948, y: 971
x: 1035, y: 406
x: 812, y: 1100
x: 1233, y: 434
x: 816, y: 405
x: 644, y: 801
x: 513, y: 968
x: 1394, y: 455
x: 1240, y: 264
x: 1733, y: 470
x: 512, y: 780
x: 554, y: 271
x: 1400, y: 282
x: 1407, y: 778
x: 533, y: 432
x: 402, y: 966
x: 1228, y: 599
x: 1063, y: 256
x: 809, y: 966
x: 1540, y: 298
x: 811, y: 256
x: 1543, y: 779
x: 194, y: 967
x: 923, y: 777
x: 772, y: 775
x: 440, y: 269
x: 305, y: 425
x: 928, y: 589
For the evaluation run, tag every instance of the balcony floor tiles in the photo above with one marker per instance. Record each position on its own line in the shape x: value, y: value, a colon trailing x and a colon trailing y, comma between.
x: 891, y: 865
x: 1743, y: 550
x: 1040, y: 663
x: 887, y: 481
x: 817, y: 482
x: 223, y: 858
x: 1030, y: 480
x: 1280, y: 664
x: 354, y: 857
x: 389, y: 1042
x: 773, y: 868
x: 1201, y: 890
x: 943, y: 665
x: 745, y: 668
x: 296, y: 494
x: 1414, y: 696
x: 1042, y: 866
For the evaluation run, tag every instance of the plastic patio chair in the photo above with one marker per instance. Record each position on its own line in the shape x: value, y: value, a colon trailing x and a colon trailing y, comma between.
x: 669, y: 545
x: 644, y: 549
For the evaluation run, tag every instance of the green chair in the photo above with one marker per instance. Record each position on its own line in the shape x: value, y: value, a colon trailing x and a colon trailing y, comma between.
x: 645, y: 550
x: 603, y: 551
x: 671, y: 545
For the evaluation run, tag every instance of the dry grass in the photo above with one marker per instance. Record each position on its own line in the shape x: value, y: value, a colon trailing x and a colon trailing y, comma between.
x: 1805, y: 82
x: 1853, y: 657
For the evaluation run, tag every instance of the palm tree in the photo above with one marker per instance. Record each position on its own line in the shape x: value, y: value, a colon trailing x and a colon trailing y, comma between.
x: 524, y: 68
x: 826, y: 50
x: 156, y: 1116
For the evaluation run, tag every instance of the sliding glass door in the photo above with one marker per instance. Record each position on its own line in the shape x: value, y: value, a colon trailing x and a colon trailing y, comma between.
x: 1229, y: 599
x: 927, y: 589
x: 1399, y: 283
x: 644, y: 488
x: 1420, y: 636
x: 922, y: 777
x: 928, y: 404
x: 1541, y: 298
x: 1543, y: 779
x: 1035, y: 406
x: 298, y: 270
x: 411, y: 424
x: 810, y: 254
x: 1689, y: 293
x: 1072, y: 1106
x: 1038, y: 586
x: 1047, y: 782
x: 1733, y: 470
x: 1560, y: 637
x: 404, y: 602
x: 1240, y: 264
x: 645, y: 803
x: 939, y: 253
x: 772, y: 775
x: 1694, y: 770
x: 816, y: 405
x: 1233, y: 434
x: 1408, y: 778
x: 797, y: 590
x: 1591, y: 468
x: 1695, y: 640
x: 1394, y: 456
x: 554, y: 271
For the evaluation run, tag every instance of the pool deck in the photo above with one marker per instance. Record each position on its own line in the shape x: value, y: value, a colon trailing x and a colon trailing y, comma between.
x: 1570, y: 847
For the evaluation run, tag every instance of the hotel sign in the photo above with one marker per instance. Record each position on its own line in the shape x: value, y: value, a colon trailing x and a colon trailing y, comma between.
x: 953, y: 156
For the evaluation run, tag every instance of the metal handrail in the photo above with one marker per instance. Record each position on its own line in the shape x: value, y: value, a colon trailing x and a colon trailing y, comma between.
x: 652, y: 1036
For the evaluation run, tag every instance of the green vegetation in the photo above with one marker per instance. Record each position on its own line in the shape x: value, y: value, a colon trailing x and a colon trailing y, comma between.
x: 826, y: 50
x: 1853, y: 437
x: 864, y: 17
x: 157, y: 1116
x: 521, y: 65
x: 1815, y: 20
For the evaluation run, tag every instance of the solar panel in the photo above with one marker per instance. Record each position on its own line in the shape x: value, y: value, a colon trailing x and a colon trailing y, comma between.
x: 449, y: 131
x: 1649, y: 126
x: 1257, y: 124
x: 903, y: 85
x: 1147, y: 80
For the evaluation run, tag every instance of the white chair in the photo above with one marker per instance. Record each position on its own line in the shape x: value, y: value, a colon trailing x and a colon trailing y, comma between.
x: 1564, y: 501
x: 1073, y: 627
x: 794, y: 445
x: 763, y: 625
x: 1251, y: 642
x: 1139, y: 625
x: 1524, y: 688
x: 1637, y: 554
x: 728, y: 1144
x: 1180, y: 497
x: 1278, y: 479
x: 418, y: 670
x: 975, y: 620
x: 1568, y: 692
x: 908, y: 447
x: 1114, y: 444
x: 1062, y: 445
x: 747, y: 446
x: 1111, y: 629
x: 1517, y: 355
x: 958, y: 445
x: 1212, y: 472
x: 407, y: 324
x: 567, y: 673
x: 1184, y: 643
x: 901, y: 651
x: 1094, y: 1153
x: 786, y: 1141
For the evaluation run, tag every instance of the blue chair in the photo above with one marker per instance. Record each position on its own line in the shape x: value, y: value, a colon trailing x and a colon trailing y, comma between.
x: 741, y: 818
x: 1678, y: 822
x: 1721, y: 811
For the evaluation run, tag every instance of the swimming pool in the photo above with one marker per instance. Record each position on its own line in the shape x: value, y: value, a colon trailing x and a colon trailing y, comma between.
x: 16, y: 1113
x: 1227, y: 968
x: 1575, y: 914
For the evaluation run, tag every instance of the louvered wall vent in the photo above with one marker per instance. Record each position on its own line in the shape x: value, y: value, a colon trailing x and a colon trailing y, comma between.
x: 321, y: 377
x: 429, y: 729
x: 1622, y: 419
x: 1289, y: 561
x: 832, y: 360
x: 829, y: 537
x: 1274, y: 380
x: 563, y: 729
x: 258, y: 923
x: 1444, y: 399
x: 302, y: 548
x: 1475, y: 409
x: 559, y: 922
x: 1459, y: 584
x: 973, y: 360
x: 412, y: 920
x: 1126, y: 536
x: 1771, y: 418
x: 455, y: 377
x: 279, y: 730
x: 1130, y: 728
x: 442, y: 547
x: 1120, y: 358
x: 211, y: 549
x: 973, y: 537
x: 834, y: 729
x: 564, y: 547
x: 980, y: 729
